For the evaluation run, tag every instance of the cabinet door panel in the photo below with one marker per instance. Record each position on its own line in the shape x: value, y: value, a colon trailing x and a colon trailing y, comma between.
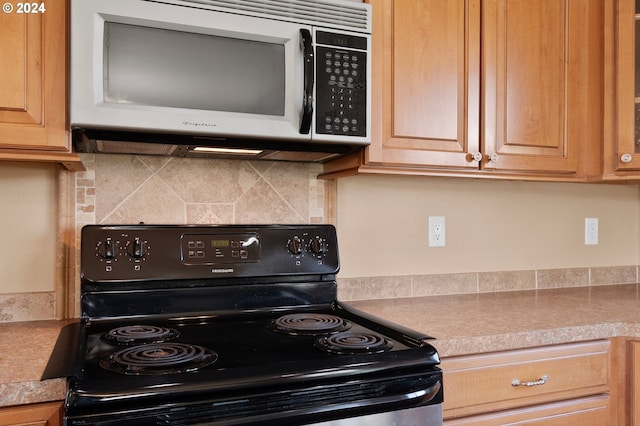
x: 627, y: 123
x: 45, y: 414
x: 578, y: 412
x: 634, y: 374
x: 536, y: 98
x: 422, y: 62
x: 533, y: 56
x: 427, y: 77
x: 33, y: 88
x: 21, y: 84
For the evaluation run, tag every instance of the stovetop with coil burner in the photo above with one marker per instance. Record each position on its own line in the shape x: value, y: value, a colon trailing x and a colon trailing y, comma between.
x: 238, y: 351
x: 202, y: 319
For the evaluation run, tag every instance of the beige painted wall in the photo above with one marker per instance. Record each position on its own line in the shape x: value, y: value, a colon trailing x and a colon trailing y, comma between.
x: 28, y: 227
x: 382, y: 225
x: 490, y: 225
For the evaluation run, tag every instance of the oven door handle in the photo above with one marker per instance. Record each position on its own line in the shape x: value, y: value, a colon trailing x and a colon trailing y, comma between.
x: 419, y: 397
x: 423, y: 394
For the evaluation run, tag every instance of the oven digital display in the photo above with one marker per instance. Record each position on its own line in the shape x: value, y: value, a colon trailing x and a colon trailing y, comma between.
x: 209, y: 249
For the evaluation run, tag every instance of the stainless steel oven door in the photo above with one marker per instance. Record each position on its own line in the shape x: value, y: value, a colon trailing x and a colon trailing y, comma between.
x: 429, y: 415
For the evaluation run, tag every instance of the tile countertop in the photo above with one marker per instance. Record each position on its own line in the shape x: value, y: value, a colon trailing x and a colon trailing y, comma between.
x: 461, y: 324
x: 486, y: 322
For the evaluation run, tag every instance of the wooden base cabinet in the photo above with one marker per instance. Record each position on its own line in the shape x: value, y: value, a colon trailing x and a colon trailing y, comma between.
x: 33, y: 84
x: 634, y: 382
x: 592, y: 411
x: 484, y: 88
x: 552, y: 385
x: 45, y: 414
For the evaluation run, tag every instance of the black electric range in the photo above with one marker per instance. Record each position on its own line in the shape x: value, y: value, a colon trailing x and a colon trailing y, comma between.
x: 237, y: 324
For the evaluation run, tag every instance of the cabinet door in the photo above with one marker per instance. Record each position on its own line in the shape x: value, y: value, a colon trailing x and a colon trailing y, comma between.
x: 33, y: 86
x: 634, y: 385
x: 46, y: 414
x: 622, y: 153
x: 537, y: 84
x: 425, y: 83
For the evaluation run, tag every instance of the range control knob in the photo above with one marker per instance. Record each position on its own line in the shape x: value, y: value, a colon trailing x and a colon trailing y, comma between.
x: 137, y: 248
x: 317, y: 245
x: 108, y: 249
x: 295, y: 245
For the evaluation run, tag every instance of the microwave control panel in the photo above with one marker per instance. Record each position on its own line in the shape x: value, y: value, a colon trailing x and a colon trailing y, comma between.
x: 341, y: 82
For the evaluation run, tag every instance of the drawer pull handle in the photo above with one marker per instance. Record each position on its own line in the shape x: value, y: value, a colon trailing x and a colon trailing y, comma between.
x: 541, y: 381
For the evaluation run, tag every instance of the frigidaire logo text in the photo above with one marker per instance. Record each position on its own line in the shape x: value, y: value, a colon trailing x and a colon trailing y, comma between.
x: 192, y: 124
x: 222, y: 271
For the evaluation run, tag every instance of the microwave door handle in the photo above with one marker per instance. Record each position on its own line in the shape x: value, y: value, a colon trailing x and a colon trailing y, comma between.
x: 307, y: 101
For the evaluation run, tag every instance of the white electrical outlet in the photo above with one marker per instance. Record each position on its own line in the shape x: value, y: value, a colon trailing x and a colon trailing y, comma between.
x: 437, y: 231
x: 591, y: 231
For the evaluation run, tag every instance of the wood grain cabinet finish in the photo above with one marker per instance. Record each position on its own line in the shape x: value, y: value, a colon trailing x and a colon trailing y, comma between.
x: 485, y: 87
x: 45, y: 414
x: 539, y: 86
x: 578, y: 412
x: 33, y: 85
x: 634, y: 381
x: 563, y: 380
x: 425, y: 83
x: 622, y: 89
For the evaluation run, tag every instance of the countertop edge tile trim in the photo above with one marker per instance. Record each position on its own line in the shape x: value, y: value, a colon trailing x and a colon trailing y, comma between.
x: 21, y: 393
x: 531, y: 339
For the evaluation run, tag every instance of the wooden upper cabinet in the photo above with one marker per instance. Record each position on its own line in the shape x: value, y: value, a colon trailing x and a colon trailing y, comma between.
x: 491, y: 87
x: 425, y: 83
x: 535, y: 83
x: 33, y: 85
x: 622, y: 86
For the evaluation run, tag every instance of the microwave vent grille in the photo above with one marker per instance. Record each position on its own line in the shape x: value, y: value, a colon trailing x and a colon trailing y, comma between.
x: 127, y: 147
x: 342, y: 15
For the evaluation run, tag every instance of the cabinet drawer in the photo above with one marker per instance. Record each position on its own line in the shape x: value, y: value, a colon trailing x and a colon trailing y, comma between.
x: 579, y: 412
x: 44, y: 414
x: 484, y: 383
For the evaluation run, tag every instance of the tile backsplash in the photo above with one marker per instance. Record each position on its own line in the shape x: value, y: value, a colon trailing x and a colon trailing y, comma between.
x: 131, y: 189
x: 127, y: 189
x: 366, y: 288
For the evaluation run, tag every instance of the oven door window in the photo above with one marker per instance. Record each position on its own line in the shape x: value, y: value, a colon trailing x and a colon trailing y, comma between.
x: 169, y: 68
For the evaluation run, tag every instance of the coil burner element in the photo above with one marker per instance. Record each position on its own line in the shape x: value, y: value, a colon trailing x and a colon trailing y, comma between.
x: 353, y: 343
x: 309, y: 324
x: 140, y: 334
x: 159, y: 358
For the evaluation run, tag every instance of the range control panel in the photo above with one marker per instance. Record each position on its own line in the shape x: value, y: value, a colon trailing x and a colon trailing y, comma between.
x: 202, y: 249
x: 122, y: 253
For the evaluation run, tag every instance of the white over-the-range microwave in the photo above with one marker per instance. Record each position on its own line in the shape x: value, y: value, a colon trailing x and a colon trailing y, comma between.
x: 264, y: 79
